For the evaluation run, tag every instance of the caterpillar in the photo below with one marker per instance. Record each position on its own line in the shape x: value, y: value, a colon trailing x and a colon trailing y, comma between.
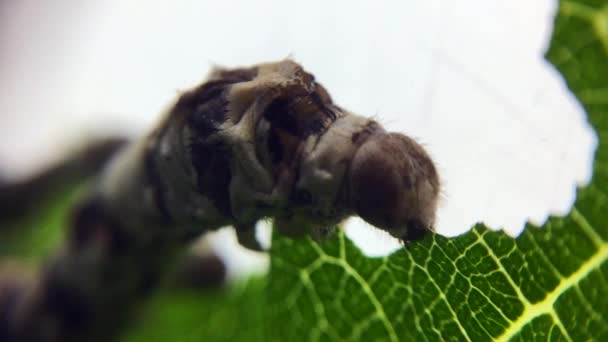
x: 268, y: 141
x: 250, y: 143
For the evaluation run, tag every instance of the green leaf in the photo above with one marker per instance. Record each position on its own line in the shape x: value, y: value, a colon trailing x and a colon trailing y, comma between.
x: 232, y: 314
x: 478, y: 286
x: 549, y: 283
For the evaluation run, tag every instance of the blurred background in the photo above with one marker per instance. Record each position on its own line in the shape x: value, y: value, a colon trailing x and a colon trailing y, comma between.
x: 466, y: 78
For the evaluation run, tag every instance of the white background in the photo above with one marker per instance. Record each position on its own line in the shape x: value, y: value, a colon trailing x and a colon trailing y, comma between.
x: 467, y: 78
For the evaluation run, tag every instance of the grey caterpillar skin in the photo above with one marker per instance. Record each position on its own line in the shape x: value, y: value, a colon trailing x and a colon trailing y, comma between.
x: 268, y: 141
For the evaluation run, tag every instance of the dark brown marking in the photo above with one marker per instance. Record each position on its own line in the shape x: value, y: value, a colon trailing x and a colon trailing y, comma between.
x: 302, y: 115
x: 212, y: 165
x: 206, y: 109
x: 275, y: 147
x: 281, y: 115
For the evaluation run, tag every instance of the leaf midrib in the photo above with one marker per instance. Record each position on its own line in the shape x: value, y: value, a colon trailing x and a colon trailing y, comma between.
x: 531, y: 311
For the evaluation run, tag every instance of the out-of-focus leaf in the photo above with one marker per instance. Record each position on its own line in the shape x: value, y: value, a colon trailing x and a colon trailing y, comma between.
x: 34, y: 211
x: 232, y: 314
x: 36, y: 235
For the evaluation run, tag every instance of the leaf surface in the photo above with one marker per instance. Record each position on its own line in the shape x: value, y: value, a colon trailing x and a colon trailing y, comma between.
x: 549, y: 283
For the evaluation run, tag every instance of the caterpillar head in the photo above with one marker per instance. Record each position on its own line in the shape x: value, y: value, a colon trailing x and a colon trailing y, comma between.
x: 394, y: 185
